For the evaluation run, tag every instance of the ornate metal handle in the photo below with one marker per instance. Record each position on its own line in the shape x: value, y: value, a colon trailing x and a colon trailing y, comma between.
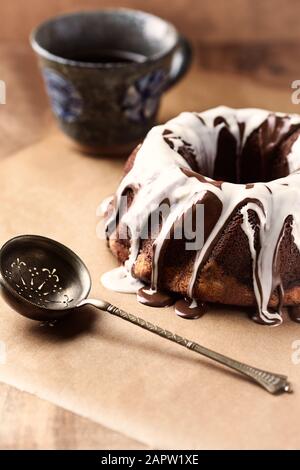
x: 273, y: 383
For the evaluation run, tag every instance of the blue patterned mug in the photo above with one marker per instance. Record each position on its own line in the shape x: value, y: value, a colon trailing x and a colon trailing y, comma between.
x: 105, y: 72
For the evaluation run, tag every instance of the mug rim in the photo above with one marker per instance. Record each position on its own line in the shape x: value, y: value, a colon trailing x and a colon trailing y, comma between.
x: 46, y: 54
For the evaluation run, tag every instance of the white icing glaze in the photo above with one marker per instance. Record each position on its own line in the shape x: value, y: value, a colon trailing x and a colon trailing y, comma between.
x: 156, y: 171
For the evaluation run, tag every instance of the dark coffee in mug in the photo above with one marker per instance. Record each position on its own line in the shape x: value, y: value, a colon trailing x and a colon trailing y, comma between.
x: 105, y: 72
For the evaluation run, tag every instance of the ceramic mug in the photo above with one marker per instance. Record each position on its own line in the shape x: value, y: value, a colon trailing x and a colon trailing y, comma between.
x: 105, y: 72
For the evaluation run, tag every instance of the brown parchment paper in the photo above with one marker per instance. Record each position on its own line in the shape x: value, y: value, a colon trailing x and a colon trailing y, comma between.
x: 109, y: 371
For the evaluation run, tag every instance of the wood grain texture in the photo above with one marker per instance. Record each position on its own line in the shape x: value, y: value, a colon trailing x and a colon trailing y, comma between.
x: 28, y: 422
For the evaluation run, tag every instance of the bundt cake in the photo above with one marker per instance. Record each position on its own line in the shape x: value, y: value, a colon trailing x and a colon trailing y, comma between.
x: 242, y: 167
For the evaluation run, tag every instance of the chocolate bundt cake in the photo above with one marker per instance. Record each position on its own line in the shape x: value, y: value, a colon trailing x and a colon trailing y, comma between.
x: 241, y: 167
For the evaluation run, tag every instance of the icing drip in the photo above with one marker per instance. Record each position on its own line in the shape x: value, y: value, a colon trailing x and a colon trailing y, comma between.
x: 258, y: 319
x: 190, y: 309
x: 162, y: 170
